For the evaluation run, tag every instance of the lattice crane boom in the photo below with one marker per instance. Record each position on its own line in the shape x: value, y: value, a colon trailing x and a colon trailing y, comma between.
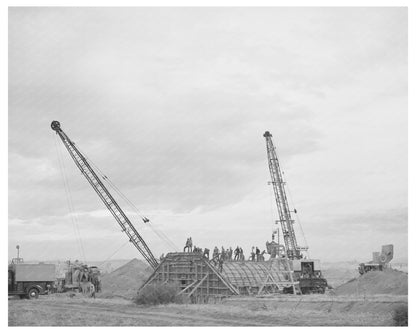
x: 293, y: 251
x: 108, y: 200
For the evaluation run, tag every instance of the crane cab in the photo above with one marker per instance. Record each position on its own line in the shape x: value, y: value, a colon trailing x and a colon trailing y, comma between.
x: 308, y: 273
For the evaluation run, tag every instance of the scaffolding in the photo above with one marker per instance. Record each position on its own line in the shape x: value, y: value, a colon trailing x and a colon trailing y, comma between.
x: 201, y: 280
x: 195, y: 276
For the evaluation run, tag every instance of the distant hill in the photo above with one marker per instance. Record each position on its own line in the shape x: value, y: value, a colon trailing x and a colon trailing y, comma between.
x: 125, y: 280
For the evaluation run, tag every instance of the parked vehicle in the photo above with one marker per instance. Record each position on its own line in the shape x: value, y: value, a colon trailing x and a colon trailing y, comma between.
x: 380, y: 260
x: 30, y: 280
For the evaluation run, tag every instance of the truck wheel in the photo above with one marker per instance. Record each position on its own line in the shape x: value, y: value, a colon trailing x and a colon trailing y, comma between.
x: 33, y: 293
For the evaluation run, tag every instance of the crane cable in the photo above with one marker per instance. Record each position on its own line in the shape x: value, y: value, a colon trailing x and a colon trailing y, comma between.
x: 300, y: 224
x: 159, y: 233
x: 72, y: 213
x: 106, y: 260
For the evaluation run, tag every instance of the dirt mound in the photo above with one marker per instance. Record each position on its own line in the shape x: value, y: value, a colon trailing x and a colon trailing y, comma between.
x: 386, y: 282
x: 126, y: 280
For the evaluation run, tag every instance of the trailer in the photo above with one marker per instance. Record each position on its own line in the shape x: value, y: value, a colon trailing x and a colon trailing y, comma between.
x: 30, y: 280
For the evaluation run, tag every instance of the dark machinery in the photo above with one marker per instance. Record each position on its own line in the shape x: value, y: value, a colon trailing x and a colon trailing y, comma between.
x: 306, y: 271
x: 380, y: 260
x: 108, y: 200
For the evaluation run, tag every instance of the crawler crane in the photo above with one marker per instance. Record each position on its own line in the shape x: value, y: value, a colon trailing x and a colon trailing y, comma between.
x: 306, y: 271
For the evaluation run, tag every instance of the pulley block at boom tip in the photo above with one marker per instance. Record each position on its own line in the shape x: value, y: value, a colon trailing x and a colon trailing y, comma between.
x: 56, y: 125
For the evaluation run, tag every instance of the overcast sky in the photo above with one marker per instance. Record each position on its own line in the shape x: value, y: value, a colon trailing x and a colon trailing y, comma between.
x: 172, y: 105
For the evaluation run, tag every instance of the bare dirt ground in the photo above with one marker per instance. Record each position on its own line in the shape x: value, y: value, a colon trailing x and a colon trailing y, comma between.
x: 308, y: 310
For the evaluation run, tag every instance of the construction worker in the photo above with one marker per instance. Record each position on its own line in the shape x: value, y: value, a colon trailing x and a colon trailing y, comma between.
x: 92, y: 290
x: 253, y: 254
x: 236, y: 253
x: 223, y: 255
x: 241, y: 255
x: 215, y: 253
x: 188, y: 245
x: 257, y: 253
x: 220, y: 264
x: 206, y: 253
x: 260, y: 256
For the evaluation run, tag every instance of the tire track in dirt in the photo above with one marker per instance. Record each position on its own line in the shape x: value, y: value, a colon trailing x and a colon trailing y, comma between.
x: 171, y: 319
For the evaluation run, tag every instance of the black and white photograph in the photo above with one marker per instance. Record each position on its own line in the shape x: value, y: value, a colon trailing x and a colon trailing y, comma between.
x: 207, y: 166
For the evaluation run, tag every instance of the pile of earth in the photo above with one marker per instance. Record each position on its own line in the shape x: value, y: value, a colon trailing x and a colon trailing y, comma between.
x: 390, y: 282
x: 125, y: 280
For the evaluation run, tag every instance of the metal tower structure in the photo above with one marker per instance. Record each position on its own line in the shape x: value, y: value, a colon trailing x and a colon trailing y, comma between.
x: 105, y: 196
x: 293, y: 251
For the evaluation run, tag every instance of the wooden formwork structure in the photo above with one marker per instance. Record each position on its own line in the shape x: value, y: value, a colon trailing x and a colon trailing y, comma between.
x: 202, y: 281
x: 195, y: 276
x: 261, y: 277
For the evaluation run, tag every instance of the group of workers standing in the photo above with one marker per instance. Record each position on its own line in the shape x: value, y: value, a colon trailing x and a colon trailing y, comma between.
x: 218, y: 257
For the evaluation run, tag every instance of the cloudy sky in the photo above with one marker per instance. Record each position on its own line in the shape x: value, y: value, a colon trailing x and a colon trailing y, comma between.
x: 172, y: 103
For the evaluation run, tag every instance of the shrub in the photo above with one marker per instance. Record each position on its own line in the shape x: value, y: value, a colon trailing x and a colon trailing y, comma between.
x: 158, y: 293
x: 400, y: 316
